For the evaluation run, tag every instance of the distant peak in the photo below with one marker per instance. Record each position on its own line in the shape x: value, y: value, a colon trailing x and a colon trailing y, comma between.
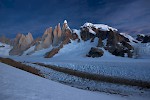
x: 65, y: 21
x: 29, y: 33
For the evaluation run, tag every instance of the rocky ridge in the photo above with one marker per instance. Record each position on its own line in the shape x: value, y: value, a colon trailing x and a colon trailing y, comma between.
x: 110, y: 39
x: 21, y: 43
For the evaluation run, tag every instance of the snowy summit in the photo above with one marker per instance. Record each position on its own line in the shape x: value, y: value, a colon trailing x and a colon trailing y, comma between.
x: 99, y: 26
x: 65, y: 21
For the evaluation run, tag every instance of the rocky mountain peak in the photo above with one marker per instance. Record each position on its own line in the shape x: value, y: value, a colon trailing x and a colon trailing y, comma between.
x: 65, y: 25
x: 65, y: 21
x: 5, y: 40
x: 22, y: 39
x: 29, y: 38
x: 21, y: 43
x: 59, y: 30
x: 48, y: 31
x: 108, y: 38
x: 117, y: 43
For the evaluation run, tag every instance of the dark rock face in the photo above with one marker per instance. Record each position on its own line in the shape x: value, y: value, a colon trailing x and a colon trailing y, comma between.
x: 143, y: 38
x: 52, y: 53
x: 86, y: 35
x: 56, y: 50
x: 74, y: 36
x: 140, y: 37
x: 100, y: 43
x: 112, y: 38
x: 146, y: 39
x: 95, y: 52
x: 116, y: 43
x: 101, y: 34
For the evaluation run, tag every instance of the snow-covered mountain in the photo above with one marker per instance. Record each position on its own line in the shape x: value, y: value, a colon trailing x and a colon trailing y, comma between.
x: 95, y: 49
x: 91, y: 40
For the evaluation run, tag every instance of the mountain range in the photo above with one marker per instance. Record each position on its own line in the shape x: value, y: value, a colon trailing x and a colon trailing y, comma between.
x: 106, y: 38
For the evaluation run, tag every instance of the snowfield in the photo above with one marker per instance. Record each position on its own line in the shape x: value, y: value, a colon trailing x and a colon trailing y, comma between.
x: 16, y: 84
x: 40, y: 53
x: 4, y: 49
x: 73, y: 56
x: 88, y: 84
x: 144, y: 50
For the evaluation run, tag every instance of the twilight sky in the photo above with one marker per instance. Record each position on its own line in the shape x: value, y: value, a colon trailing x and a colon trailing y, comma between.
x: 36, y: 15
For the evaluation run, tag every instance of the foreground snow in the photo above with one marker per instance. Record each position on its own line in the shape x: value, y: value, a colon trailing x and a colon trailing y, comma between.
x: 19, y: 85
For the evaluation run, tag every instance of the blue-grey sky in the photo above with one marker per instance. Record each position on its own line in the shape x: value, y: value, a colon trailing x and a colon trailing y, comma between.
x: 36, y: 15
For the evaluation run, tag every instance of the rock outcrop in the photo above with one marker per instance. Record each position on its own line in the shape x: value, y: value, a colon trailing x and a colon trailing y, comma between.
x: 46, y: 40
x: 143, y: 38
x: 52, y: 52
x: 21, y: 43
x: 109, y: 39
x: 57, y: 35
x: 61, y: 37
x: 116, y: 43
x: 5, y: 40
x: 95, y: 52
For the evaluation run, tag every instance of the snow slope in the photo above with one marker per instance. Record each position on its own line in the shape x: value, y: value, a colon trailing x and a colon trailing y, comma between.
x: 143, y: 50
x: 16, y: 84
x: 131, y: 39
x: 39, y: 53
x: 73, y: 56
x: 4, y: 49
